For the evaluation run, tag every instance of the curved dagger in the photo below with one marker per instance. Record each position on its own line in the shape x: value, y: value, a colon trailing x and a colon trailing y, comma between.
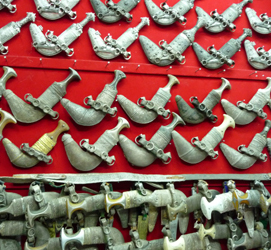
x: 167, y: 15
x: 27, y: 157
x: 112, y: 12
x: 258, y: 59
x: 144, y: 156
x: 110, y: 48
x: 202, y: 148
x: 99, y: 107
x: 218, y: 22
x: 168, y: 53
x: 56, y: 9
x: 12, y: 29
x: 93, y: 155
x: 147, y: 111
x: 261, y: 24
x: 245, y: 157
x: 214, y: 59
x: 29, y: 113
x: 245, y: 113
x: 203, y: 110
x: 51, y: 45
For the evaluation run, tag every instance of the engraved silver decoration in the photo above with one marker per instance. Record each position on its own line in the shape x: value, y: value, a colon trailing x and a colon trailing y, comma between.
x: 147, y: 111
x: 245, y: 113
x: 110, y: 48
x: 12, y: 29
x: 261, y: 24
x: 214, y: 59
x: 99, y: 107
x: 86, y: 157
x: 258, y: 58
x: 216, y: 22
x: 143, y: 152
x: 166, y: 15
x: 203, y: 110
x: 51, y: 45
x: 111, y: 12
x: 167, y: 53
x: 202, y: 148
x: 56, y: 9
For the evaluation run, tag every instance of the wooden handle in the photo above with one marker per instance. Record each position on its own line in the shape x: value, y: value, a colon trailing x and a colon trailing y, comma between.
x: 61, y: 127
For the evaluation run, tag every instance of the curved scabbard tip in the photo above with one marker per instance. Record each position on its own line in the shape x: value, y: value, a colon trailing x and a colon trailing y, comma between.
x: 207, y: 60
x: 235, y: 158
x: 134, y: 154
x: 17, y: 157
x: 254, y: 59
x: 64, y: 102
x: 66, y: 138
x: 136, y: 113
x: 186, y: 151
x: 241, y: 117
x: 22, y: 111
x: 199, y: 11
x: 79, y: 159
x: 212, y: 25
x: 121, y: 98
x: 154, y: 53
x: 256, y: 23
x: 178, y: 98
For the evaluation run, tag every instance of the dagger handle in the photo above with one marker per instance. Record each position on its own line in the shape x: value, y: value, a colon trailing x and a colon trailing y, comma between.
x: 61, y: 127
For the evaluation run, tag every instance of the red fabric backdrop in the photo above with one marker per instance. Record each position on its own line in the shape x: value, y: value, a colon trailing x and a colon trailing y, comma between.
x: 34, y: 76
